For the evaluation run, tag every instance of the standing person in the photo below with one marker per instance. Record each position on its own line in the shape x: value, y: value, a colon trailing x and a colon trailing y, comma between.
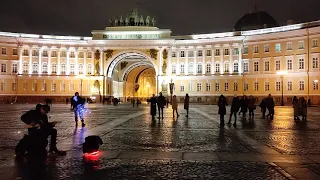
x: 296, y: 108
x: 71, y: 105
x: 161, y: 103
x: 270, y: 107
x: 251, y: 107
x: 78, y: 105
x: 263, y: 108
x: 222, y: 103
x: 67, y: 101
x: 174, y: 104
x: 304, y: 108
x: 153, y: 106
x: 186, y: 104
x: 244, y: 106
x: 138, y: 102
x: 133, y: 101
x: 235, y: 106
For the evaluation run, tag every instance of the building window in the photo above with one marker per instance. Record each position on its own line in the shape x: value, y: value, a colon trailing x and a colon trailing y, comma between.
x: 14, y: 52
x: 35, y: 67
x: 54, y: 68
x: 289, y: 85
x: 63, y: 87
x: 44, y: 87
x: 44, y: 67
x: 173, y: 54
x: 3, y: 86
x: 63, y: 54
x: 190, y: 87
x: 245, y: 50
x: 315, y: 63
x: 226, y: 86
x: 278, y: 84
x: 53, y: 53
x: 71, y: 68
x: 53, y: 87
x: 301, y: 45
x: 245, y: 86
x: 208, y: 53
x: 256, y: 66
x: 245, y: 67
x: 80, y: 68
x: 217, y: 86
x: 14, y: 68
x: 315, y: 85
x: 226, y: 52
x: 235, y: 86
x: 199, y: 87
x: 301, y: 85
x: 200, y: 53
x: 256, y: 49
x: 190, y: 70
x: 289, y: 46
x: 14, y: 86
x: 278, y: 47
x: 25, y: 52
x: 4, y: 51
x: 182, y: 54
x: 88, y: 87
x: 72, y: 55
x: 71, y: 87
x: 35, y: 52
x: 25, y: 67
x: 266, y: 86
x: 174, y: 68
x: 266, y: 48
x: 256, y: 86
x: 266, y: 66
x: 217, y: 67
x: 181, y: 88
x: 208, y: 68
x: 34, y: 86
x: 89, y: 71
x: 236, y: 51
x: 63, y: 68
x: 277, y: 65
x: 301, y: 64
x: 226, y: 67
x: 25, y: 86
x: 45, y: 54
x: 182, y: 68
x: 235, y: 67
x: 217, y: 52
x: 3, y: 67
x: 208, y: 87
x: 315, y: 43
x: 289, y: 64
x: 89, y: 54
x: 80, y: 54
x: 199, y: 71
x: 190, y: 53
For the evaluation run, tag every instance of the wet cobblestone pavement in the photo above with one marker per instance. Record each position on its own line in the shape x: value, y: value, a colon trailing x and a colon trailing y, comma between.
x: 135, y: 147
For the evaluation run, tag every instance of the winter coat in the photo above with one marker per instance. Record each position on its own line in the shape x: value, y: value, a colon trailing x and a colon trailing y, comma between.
x: 161, y: 101
x: 174, y: 103
x: 186, y: 103
x: 235, y: 105
x: 296, y: 108
x: 222, y: 103
x: 304, y: 107
x: 251, y: 105
x: 153, y: 106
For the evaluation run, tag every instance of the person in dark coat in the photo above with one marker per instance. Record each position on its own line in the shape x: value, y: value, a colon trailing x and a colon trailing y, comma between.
x: 244, y: 106
x: 296, y: 108
x: 263, y: 107
x: 78, y: 105
x: 270, y: 107
x: 222, y: 103
x: 153, y: 106
x: 67, y: 101
x: 161, y: 103
x: 235, y: 106
x: 251, y: 107
x: 186, y: 104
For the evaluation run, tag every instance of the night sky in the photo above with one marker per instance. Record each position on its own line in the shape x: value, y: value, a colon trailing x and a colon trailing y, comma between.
x: 79, y: 17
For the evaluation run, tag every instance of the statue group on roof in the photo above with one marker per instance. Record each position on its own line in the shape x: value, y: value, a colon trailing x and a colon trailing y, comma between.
x: 132, y: 20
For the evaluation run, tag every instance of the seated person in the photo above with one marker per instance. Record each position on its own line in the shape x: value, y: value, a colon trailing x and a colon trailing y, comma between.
x: 38, y: 123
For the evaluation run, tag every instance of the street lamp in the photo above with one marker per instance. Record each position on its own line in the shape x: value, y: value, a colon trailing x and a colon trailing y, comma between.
x: 282, y: 74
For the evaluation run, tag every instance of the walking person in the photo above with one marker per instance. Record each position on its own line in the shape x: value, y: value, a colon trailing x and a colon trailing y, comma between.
x: 186, y: 104
x: 263, y: 108
x: 133, y: 101
x: 222, y: 103
x: 174, y: 104
x: 235, y: 106
x: 153, y: 106
x: 161, y: 103
x: 251, y: 108
x: 78, y: 105
x: 296, y: 108
x: 270, y: 107
x: 244, y: 106
x: 67, y: 101
x: 303, y: 108
x: 138, y: 102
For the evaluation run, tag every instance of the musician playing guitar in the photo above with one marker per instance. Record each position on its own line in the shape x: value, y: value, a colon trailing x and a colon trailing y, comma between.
x: 37, y: 122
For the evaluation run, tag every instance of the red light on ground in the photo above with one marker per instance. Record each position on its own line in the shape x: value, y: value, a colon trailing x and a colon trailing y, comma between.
x: 96, y: 153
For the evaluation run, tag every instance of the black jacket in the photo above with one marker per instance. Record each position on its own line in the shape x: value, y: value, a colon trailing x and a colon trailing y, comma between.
x: 79, y: 101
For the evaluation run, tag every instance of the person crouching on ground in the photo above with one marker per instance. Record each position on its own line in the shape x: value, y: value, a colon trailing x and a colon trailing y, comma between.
x: 174, y: 104
x: 38, y: 119
x: 222, y: 103
x: 78, y: 104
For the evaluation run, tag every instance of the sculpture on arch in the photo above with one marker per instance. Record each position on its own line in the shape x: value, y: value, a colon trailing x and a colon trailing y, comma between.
x: 153, y: 53
x: 97, y: 68
x: 153, y: 22
x: 97, y: 55
x: 136, y: 20
x: 127, y: 21
x: 110, y: 22
x: 116, y: 21
x: 123, y: 64
x: 147, y: 20
x: 141, y: 21
x: 164, y: 67
x: 109, y: 53
x: 121, y: 21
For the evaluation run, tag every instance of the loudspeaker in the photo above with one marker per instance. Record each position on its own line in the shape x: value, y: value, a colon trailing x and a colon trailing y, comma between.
x: 91, y: 144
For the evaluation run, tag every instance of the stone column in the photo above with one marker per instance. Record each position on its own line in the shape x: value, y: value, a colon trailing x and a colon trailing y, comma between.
x: 76, y: 65
x: 40, y: 60
x: 221, y: 61
x: 169, y: 62
x: 59, y: 62
x: 93, y: 62
x: 240, y: 60
x: 85, y: 61
x: 194, y: 63
x: 49, y: 61
x: 203, y: 62
x: 178, y: 62
x: 160, y: 61
x: 231, y: 60
x: 186, y: 64
x: 212, y: 61
x: 20, y: 59
x: 68, y: 62
x: 30, y: 60
x: 101, y: 62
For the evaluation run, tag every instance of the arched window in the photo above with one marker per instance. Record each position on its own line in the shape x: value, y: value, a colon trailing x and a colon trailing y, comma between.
x: 25, y: 67
x: 89, y: 68
x: 235, y: 66
x: 63, y: 68
x: 174, y: 68
x: 80, y: 68
x: 35, y: 67
x: 182, y: 68
x: 199, y: 69
x: 217, y: 67
x: 44, y: 67
x: 208, y: 68
x: 71, y: 68
x: 54, y: 68
x: 226, y: 66
x: 190, y: 68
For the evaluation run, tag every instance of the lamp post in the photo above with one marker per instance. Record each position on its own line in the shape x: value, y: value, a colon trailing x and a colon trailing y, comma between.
x: 171, y: 84
x: 282, y: 74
